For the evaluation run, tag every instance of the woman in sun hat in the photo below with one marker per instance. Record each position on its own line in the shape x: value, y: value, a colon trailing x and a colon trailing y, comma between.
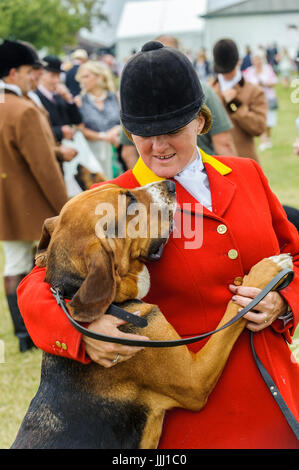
x: 162, y: 110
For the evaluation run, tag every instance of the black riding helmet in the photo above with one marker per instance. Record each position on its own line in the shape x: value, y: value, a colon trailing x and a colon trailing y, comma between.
x: 159, y: 91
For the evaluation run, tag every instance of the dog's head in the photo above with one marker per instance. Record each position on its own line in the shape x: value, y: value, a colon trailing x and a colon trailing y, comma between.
x: 85, y: 178
x: 95, y: 249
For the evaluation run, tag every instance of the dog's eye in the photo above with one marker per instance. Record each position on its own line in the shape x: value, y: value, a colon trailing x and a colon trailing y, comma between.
x: 131, y: 198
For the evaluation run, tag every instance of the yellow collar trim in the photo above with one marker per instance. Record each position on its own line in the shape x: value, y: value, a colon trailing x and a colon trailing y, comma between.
x: 216, y: 164
x: 145, y: 176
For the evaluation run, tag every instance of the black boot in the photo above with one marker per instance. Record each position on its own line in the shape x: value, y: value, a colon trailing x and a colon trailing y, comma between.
x: 292, y: 215
x: 10, y: 285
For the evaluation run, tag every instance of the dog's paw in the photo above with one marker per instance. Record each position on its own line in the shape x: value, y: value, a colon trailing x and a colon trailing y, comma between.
x: 266, y: 269
x: 143, y: 283
x: 284, y: 260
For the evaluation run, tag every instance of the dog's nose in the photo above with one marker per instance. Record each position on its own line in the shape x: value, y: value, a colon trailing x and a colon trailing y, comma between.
x: 170, y: 185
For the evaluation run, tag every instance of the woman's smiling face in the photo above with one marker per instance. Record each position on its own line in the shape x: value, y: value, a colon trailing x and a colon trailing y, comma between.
x: 168, y: 154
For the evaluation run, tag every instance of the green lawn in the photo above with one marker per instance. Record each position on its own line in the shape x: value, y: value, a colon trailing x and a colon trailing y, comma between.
x: 279, y: 163
x: 20, y: 373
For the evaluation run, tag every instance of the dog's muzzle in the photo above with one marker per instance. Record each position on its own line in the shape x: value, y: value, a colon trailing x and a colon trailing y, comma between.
x: 156, y: 250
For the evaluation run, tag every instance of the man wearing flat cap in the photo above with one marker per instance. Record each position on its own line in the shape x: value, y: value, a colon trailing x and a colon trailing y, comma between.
x: 31, y: 184
x: 245, y: 103
x: 58, y: 100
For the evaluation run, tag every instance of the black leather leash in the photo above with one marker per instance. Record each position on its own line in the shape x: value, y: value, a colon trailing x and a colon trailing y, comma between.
x: 280, y: 281
x: 285, y: 275
x: 292, y: 421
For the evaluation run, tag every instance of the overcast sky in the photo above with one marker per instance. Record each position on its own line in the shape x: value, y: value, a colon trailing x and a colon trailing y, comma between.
x: 113, y: 8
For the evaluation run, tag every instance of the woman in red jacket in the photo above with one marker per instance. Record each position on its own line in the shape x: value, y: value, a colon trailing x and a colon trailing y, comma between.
x: 242, y: 222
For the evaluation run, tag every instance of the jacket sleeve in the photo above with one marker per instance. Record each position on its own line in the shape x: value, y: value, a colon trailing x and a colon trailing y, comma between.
x: 57, y: 131
x: 40, y: 156
x: 74, y: 113
x: 251, y: 117
x: 46, y: 322
x: 48, y: 326
x: 288, y: 238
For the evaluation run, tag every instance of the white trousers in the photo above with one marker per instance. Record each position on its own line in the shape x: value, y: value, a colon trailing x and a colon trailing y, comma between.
x: 18, y: 256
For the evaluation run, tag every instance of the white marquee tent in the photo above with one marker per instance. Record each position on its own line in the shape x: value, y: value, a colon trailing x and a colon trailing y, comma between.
x: 142, y: 21
x: 253, y: 23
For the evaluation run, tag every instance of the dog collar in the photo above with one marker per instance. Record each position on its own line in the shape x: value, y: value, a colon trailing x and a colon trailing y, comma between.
x: 144, y: 175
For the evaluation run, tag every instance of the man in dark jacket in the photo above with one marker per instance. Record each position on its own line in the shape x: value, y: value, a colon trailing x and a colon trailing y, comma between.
x: 57, y: 100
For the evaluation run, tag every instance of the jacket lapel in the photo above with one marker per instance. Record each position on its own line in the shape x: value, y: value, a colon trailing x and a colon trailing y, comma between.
x: 222, y: 189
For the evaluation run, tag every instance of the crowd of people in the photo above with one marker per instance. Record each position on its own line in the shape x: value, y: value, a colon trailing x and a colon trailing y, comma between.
x: 55, y: 114
x: 76, y: 101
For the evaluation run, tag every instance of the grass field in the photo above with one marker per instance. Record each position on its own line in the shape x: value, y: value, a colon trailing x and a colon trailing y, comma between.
x: 20, y: 373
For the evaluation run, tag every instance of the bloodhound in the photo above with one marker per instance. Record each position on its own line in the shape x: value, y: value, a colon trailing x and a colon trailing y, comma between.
x: 89, y: 406
x: 85, y: 178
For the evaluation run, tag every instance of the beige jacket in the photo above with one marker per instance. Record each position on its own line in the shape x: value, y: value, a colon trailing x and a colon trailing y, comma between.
x: 248, y: 113
x: 31, y: 183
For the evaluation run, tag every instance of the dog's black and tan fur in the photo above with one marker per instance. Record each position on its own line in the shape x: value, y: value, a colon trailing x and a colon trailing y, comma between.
x: 88, y: 406
x: 86, y: 178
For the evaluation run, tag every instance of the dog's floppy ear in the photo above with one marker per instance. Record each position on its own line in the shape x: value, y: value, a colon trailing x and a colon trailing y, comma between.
x: 47, y: 230
x: 98, y: 289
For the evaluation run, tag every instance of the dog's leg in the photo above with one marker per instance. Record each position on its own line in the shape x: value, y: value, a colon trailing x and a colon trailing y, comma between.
x: 188, y: 378
x: 184, y: 379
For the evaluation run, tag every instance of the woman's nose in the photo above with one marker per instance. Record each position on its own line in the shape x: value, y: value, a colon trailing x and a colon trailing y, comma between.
x: 159, y: 143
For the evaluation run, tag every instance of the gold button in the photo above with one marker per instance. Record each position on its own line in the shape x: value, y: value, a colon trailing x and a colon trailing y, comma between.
x: 233, y: 107
x: 58, y: 344
x: 3, y: 175
x: 232, y: 254
x: 222, y: 229
x: 238, y: 280
x: 64, y: 346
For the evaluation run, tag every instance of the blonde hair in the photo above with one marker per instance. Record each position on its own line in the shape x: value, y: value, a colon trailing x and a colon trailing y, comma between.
x: 206, y: 113
x: 100, y: 70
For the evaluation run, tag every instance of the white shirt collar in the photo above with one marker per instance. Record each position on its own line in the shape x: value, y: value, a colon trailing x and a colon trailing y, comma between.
x: 228, y: 84
x: 9, y: 86
x: 44, y: 91
x: 194, y: 165
x: 195, y: 180
x: 35, y: 98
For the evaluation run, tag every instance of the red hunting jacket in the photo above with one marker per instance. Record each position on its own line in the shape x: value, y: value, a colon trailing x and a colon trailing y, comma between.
x: 191, y: 288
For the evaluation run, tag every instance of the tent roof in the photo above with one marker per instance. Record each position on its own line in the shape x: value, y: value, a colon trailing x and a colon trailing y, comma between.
x: 160, y: 17
x: 215, y: 5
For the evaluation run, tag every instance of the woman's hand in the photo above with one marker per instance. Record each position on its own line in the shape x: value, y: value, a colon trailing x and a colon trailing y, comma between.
x: 112, y: 136
x: 78, y: 101
x: 105, y: 353
x: 265, y: 312
x: 64, y: 92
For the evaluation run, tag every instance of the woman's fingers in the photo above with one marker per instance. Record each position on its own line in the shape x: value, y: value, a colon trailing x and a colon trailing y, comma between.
x: 107, y: 363
x: 245, y: 291
x: 106, y: 353
x: 265, y: 312
x: 257, y: 321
